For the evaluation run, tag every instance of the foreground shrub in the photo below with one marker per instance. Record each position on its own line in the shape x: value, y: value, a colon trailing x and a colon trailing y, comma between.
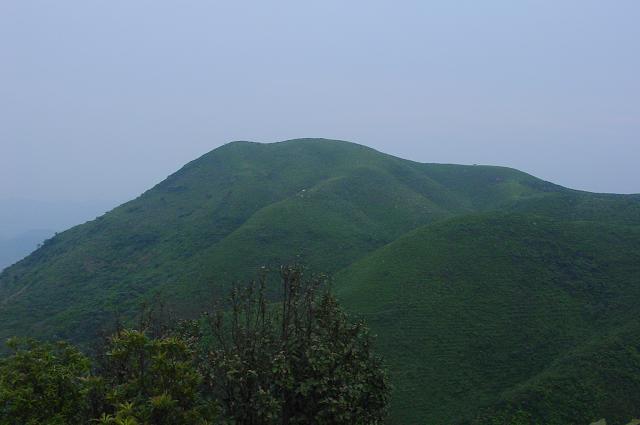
x: 44, y: 383
x: 298, y: 361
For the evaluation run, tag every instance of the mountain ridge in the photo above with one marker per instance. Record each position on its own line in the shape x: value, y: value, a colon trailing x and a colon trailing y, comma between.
x: 368, y: 219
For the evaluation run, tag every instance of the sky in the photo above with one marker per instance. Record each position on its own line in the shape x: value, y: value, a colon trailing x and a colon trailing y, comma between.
x: 101, y: 100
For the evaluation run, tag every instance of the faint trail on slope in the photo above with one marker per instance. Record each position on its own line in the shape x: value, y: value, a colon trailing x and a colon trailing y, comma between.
x: 14, y: 295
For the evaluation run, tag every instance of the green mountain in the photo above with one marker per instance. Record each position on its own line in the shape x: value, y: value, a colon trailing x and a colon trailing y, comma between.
x: 491, y: 291
x: 499, y: 309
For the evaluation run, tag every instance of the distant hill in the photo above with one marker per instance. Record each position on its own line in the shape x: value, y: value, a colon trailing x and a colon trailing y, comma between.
x: 20, y: 216
x: 25, y: 223
x: 17, y: 247
x: 491, y: 291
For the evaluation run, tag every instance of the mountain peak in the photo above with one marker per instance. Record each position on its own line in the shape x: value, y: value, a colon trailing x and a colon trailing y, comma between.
x: 413, y: 246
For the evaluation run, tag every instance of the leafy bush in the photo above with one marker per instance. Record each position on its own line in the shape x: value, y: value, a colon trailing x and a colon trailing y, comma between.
x: 298, y: 362
x: 43, y: 383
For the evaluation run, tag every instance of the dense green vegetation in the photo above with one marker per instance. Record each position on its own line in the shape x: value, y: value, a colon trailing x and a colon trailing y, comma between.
x: 237, y: 208
x: 490, y: 308
x: 298, y: 362
x: 494, y: 295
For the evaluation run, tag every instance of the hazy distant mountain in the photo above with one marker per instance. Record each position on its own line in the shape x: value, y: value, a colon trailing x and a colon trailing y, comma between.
x: 18, y: 247
x: 26, y: 223
x: 491, y: 291
x: 20, y: 216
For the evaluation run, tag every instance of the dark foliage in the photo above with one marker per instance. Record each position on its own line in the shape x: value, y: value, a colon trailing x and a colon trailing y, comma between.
x: 300, y: 362
x: 251, y: 363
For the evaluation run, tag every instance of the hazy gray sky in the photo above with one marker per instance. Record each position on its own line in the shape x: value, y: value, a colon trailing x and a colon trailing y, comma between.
x: 102, y: 99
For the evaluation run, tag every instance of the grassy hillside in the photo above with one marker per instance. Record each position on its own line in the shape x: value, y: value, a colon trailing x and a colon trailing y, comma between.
x: 476, y: 311
x: 478, y: 280
x: 322, y: 203
x: 598, y: 378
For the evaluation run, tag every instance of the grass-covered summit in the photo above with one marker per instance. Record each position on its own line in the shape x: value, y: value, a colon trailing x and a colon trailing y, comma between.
x: 322, y: 203
x: 483, y: 283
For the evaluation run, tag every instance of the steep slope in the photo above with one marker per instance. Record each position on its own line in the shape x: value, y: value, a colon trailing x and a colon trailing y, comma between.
x: 474, y: 311
x: 323, y: 203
